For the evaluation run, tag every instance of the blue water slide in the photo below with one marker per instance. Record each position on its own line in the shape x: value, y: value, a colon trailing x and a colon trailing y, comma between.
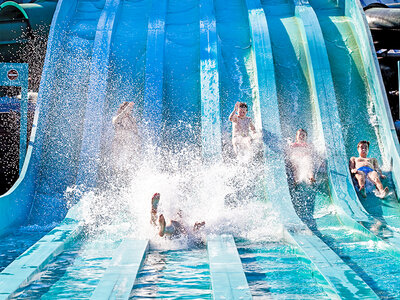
x: 363, y: 109
x: 154, y: 76
x: 210, y: 100
x: 385, y: 133
x: 17, y: 202
x: 67, y: 147
x: 70, y: 228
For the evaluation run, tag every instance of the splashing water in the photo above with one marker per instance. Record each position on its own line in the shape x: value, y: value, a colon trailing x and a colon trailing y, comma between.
x: 228, y: 198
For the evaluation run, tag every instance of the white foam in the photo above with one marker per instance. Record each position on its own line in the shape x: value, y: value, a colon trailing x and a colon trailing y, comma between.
x: 224, y: 196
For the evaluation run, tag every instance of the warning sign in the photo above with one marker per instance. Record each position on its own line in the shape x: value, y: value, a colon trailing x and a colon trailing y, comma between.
x: 12, y: 74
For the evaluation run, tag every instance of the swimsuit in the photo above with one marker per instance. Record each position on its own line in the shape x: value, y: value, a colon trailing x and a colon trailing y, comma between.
x: 365, y: 169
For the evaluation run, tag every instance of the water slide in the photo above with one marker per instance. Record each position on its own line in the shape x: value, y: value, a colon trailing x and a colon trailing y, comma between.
x: 281, y: 57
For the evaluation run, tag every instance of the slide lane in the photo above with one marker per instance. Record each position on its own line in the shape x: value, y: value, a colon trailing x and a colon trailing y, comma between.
x: 362, y: 105
x: 19, y: 201
x: 126, y: 76
x: 182, y: 96
x: 234, y: 65
x: 62, y: 132
x: 70, y: 229
x: 346, y: 237
x: 332, y: 268
x: 374, y: 122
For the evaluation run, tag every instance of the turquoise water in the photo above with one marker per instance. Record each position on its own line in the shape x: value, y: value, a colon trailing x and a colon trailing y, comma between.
x: 369, y: 260
x: 17, y: 242
x: 45, y: 279
x: 274, y: 271
x: 75, y: 273
x: 182, y: 274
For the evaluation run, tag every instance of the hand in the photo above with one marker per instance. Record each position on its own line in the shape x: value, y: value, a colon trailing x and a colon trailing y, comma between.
x: 383, y: 176
x: 237, y: 106
x: 354, y: 171
x: 129, y: 107
x: 312, y: 180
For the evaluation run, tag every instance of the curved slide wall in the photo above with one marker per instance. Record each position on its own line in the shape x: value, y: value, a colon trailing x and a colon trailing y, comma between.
x: 54, y: 152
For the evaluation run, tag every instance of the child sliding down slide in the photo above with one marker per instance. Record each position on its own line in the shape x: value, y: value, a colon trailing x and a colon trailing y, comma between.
x: 363, y: 167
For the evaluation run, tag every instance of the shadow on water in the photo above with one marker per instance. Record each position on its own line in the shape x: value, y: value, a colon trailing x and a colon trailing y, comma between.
x: 305, y: 199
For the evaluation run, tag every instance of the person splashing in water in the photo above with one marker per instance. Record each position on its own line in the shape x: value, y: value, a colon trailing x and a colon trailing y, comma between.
x: 241, y: 125
x: 301, y: 155
x: 126, y: 142
x: 363, y: 167
x: 174, y: 228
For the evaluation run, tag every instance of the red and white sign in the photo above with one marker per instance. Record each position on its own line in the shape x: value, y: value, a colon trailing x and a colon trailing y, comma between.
x: 12, y: 74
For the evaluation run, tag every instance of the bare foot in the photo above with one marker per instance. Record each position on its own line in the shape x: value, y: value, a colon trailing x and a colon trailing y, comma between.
x: 384, y: 193
x: 154, y: 206
x: 161, y: 221
x: 363, y: 192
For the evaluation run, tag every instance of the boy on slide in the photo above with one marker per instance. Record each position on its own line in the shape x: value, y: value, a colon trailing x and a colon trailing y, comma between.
x: 363, y: 167
x: 302, y: 158
x: 241, y: 126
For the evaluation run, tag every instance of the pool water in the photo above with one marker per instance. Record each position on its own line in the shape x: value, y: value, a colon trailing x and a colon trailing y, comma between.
x: 274, y: 271
x: 75, y: 273
x: 368, y: 259
x: 17, y: 242
x: 182, y: 274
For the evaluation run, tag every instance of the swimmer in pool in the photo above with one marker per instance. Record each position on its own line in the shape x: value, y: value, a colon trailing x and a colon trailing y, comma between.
x: 174, y: 228
x: 363, y: 167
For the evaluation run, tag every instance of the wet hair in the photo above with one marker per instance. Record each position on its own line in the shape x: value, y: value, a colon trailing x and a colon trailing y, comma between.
x: 243, y: 105
x: 122, y: 107
x: 362, y: 143
x: 302, y: 130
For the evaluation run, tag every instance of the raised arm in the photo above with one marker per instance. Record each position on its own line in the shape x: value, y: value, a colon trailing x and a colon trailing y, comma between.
x: 233, y: 115
x: 126, y: 111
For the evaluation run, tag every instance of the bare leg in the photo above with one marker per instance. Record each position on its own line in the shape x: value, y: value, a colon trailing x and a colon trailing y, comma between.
x: 161, y: 221
x: 374, y: 177
x: 360, y: 176
x: 154, y: 206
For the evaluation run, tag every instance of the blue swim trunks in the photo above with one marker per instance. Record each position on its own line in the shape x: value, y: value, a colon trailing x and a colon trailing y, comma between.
x: 365, y: 169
